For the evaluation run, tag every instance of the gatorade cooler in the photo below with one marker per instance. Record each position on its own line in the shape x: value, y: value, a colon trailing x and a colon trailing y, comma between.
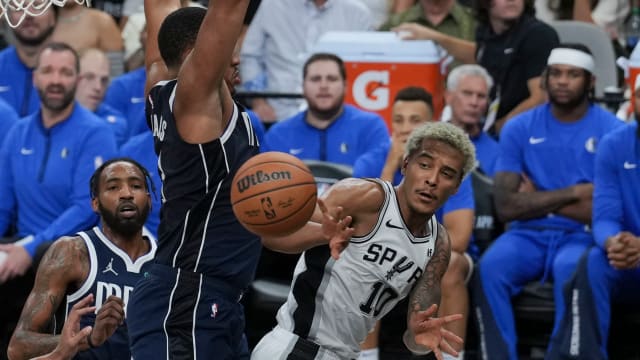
x: 379, y: 64
x: 633, y: 66
x: 631, y: 69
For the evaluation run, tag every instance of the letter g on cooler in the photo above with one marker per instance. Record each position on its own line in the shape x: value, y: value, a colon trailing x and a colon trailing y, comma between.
x: 371, y: 90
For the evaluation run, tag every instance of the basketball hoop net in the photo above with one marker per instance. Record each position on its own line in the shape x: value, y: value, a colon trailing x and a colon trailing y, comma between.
x: 30, y: 8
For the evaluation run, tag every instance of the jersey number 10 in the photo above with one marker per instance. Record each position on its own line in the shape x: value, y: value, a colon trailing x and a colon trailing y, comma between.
x: 379, y: 297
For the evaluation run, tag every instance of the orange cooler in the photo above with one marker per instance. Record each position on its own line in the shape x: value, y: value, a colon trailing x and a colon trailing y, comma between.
x: 632, y: 69
x: 380, y: 63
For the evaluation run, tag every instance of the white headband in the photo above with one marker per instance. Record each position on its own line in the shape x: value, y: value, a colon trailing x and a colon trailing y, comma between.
x: 571, y: 57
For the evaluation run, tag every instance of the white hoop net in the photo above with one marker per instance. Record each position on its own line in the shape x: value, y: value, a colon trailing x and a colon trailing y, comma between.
x: 25, y: 8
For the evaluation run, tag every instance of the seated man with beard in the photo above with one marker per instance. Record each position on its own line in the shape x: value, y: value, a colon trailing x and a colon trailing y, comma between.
x: 106, y: 261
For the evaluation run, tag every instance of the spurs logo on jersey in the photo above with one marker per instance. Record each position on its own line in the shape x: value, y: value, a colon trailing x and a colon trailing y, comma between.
x: 338, y: 302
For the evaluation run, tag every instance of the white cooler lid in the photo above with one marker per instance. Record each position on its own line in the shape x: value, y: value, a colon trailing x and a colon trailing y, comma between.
x: 378, y: 46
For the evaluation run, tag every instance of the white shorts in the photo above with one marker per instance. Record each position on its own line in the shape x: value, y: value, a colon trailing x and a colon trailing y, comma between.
x: 282, y: 344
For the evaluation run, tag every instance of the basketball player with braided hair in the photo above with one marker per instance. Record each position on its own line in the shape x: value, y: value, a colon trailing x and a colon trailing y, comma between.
x: 188, y: 307
x: 106, y: 262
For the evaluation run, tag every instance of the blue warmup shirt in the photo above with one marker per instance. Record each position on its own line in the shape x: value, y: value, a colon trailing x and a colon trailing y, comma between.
x: 553, y: 154
x: 16, y: 83
x: 126, y: 94
x: 8, y: 117
x: 352, y: 134
x: 487, y: 151
x: 371, y: 164
x: 140, y: 148
x: 616, y: 194
x: 45, y: 177
x: 116, y: 121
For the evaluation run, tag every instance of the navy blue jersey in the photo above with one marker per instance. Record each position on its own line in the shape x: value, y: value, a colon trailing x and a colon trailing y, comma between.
x: 198, y: 231
x: 111, y: 272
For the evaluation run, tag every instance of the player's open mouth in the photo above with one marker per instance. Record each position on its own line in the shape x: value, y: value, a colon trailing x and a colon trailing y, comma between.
x: 128, y: 210
x: 426, y: 196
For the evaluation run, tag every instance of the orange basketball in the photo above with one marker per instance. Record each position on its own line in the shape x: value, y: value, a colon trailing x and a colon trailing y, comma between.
x: 273, y: 194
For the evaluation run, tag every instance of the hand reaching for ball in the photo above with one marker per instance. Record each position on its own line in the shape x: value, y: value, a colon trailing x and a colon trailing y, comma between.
x: 336, y: 228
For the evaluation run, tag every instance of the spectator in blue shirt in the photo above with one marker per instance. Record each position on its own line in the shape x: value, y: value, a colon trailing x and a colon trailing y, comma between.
x: 543, y: 185
x: 126, y: 94
x: 412, y: 107
x: 92, y: 86
x: 47, y: 160
x: 18, y: 61
x: 467, y: 95
x: 328, y: 130
x: 8, y: 117
x: 610, y: 273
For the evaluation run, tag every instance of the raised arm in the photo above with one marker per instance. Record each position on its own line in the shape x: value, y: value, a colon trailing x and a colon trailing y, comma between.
x: 62, y: 266
x: 203, y: 104
x: 425, y: 332
x: 155, y: 11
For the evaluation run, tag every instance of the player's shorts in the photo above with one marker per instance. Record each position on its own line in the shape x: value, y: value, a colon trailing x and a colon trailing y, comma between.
x: 175, y: 314
x: 283, y: 344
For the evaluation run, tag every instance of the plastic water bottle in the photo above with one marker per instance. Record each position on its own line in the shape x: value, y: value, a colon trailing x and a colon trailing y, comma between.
x: 632, y: 28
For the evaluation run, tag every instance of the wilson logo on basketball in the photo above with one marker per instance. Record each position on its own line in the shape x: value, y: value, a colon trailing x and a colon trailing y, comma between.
x: 261, y: 177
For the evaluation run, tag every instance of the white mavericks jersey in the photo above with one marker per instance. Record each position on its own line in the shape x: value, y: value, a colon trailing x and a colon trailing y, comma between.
x: 336, y: 303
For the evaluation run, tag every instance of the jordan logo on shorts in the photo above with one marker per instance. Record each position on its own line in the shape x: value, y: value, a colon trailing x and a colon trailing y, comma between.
x: 109, y: 268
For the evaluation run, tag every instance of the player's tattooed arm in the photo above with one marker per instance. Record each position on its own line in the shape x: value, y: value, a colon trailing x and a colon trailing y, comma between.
x: 427, y: 290
x: 64, y: 266
x: 517, y: 198
x: 427, y: 293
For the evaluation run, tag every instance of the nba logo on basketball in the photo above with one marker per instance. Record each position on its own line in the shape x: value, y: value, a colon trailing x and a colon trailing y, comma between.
x: 267, y: 207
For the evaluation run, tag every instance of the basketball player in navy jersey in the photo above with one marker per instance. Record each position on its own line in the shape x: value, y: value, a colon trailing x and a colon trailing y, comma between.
x: 189, y: 305
x: 105, y: 262
x: 384, y: 245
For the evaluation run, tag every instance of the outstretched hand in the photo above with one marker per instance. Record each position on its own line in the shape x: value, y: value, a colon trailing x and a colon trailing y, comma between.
x: 428, y: 331
x: 336, y: 228
x: 414, y: 31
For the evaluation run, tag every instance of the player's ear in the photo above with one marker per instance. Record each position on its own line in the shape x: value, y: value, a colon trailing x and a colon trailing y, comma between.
x: 94, y: 204
x: 405, y: 163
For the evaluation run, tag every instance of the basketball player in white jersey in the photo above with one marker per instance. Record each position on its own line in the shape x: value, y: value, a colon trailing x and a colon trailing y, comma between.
x: 384, y: 245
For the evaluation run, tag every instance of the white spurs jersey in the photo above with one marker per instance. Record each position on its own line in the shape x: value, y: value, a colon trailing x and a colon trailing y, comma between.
x: 336, y: 303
